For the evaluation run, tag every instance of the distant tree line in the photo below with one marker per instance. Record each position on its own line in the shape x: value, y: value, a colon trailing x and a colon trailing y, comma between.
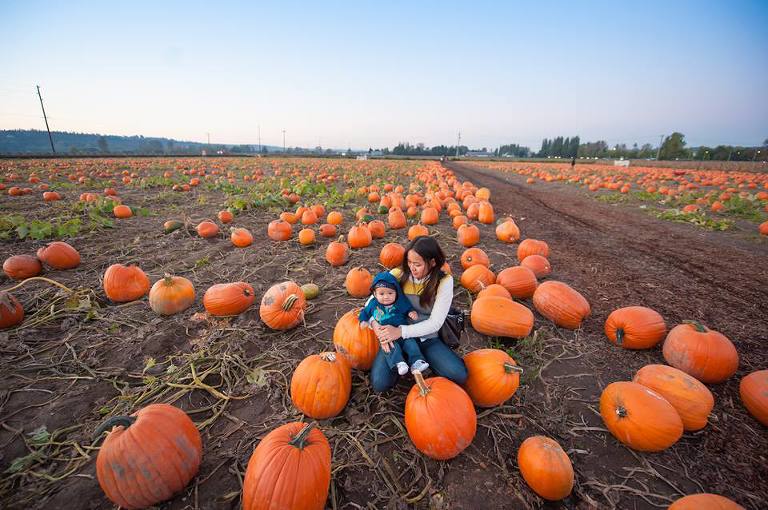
x: 514, y: 150
x: 406, y: 149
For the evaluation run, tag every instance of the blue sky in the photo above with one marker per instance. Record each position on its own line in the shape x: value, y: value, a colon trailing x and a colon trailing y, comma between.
x: 375, y: 73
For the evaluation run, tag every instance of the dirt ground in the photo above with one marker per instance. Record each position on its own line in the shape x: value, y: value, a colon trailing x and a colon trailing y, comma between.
x: 68, y: 366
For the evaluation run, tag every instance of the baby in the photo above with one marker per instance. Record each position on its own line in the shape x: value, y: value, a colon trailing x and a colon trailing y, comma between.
x: 388, y: 306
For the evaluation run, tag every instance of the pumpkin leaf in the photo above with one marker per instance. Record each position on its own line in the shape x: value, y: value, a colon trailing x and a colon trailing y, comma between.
x: 22, y: 463
x: 257, y: 377
x: 39, y: 436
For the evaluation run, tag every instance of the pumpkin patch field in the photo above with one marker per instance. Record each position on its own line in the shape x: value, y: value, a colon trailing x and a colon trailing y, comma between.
x: 182, y: 333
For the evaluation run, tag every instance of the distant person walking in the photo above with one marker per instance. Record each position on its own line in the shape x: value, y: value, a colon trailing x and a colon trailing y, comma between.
x: 573, y: 162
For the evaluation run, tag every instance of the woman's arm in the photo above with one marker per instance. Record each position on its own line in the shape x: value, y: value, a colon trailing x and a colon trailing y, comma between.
x: 436, y: 319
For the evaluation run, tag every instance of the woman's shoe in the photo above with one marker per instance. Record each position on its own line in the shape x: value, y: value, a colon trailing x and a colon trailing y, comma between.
x: 419, y: 366
x: 402, y: 368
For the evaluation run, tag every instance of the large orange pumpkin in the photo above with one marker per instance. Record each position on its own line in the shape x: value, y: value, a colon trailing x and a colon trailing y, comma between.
x: 59, y: 255
x: 439, y: 417
x: 538, y: 264
x: 753, y: 390
x: 468, y: 235
x: 561, y: 304
x: 290, y: 468
x: 639, y: 417
x: 704, y: 501
x: 326, y: 230
x: 337, y: 252
x: 207, y: 229
x: 359, y: 237
x: 706, y: 354
x: 335, y: 218
x: 148, y: 456
x: 690, y: 398
x: 546, y: 467
x: 417, y: 230
x: 518, y: 280
x: 307, y: 236
x: 429, y: 216
x: 125, y: 283
x: 396, y: 218
x: 635, y: 327
x: 532, y: 247
x: 476, y: 278
x: 358, y: 282
x: 485, y: 213
x: 241, y: 237
x: 171, y: 294
x: 494, y: 290
x: 321, y: 384
x: 392, y: 255
x: 282, y: 306
x: 11, y: 311
x: 359, y: 345
x: 279, y: 230
x: 474, y: 256
x: 122, y: 211
x: 377, y: 229
x: 499, y: 316
x: 493, y: 377
x: 21, y: 267
x: 224, y: 299
x: 507, y: 231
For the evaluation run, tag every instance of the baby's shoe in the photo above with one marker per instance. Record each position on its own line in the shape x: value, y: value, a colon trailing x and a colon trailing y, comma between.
x: 419, y: 366
x: 402, y: 368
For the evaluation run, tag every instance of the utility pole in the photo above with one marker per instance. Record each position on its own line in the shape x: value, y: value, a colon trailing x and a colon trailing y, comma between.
x: 50, y: 138
x: 661, y: 142
x: 458, y: 142
x: 283, y: 141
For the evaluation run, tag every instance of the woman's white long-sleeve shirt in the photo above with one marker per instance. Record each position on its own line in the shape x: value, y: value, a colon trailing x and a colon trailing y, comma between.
x: 440, y: 309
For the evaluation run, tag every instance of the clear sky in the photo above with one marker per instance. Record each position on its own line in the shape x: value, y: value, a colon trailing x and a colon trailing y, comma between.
x: 376, y: 73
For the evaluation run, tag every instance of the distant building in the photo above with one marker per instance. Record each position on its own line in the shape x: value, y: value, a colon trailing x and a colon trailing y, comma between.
x: 479, y: 154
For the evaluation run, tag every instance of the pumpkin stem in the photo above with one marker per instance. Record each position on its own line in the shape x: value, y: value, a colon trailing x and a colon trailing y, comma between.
x: 423, y: 388
x: 621, y: 412
x: 509, y: 368
x: 289, y: 301
x: 115, y: 421
x: 300, y: 440
x: 328, y: 356
x: 619, y: 336
x: 168, y: 279
x: 698, y: 325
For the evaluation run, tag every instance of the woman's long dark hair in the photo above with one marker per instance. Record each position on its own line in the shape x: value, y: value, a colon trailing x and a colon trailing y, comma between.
x: 429, y: 250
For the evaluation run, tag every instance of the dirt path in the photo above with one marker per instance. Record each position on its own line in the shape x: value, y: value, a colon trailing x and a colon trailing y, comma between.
x: 615, y: 257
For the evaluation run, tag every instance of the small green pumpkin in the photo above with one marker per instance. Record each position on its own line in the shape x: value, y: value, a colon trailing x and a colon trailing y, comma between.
x: 310, y: 290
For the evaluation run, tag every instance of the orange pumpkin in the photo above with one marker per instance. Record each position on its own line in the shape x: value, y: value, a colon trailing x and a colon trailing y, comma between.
x: 476, y: 278
x: 753, y: 390
x: 532, y: 247
x: 561, y: 304
x: 122, y: 211
x: 639, y: 417
x: 282, y: 306
x: 207, y: 229
x: 359, y: 237
x: 507, y: 231
x: 358, y: 282
x: 391, y: 255
x: 11, y: 311
x: 468, y: 235
x: 485, y: 213
x: 241, y: 237
x: 308, y: 217
x: 704, y: 501
x: 546, y: 467
x: 125, y: 283
x: 690, y: 398
x: 290, y: 468
x: 417, y: 230
x: 494, y: 290
x: 287, y: 217
x: 335, y: 218
x: 499, y: 316
x: 148, y: 456
x: 439, y: 417
x: 459, y: 220
x: 225, y: 216
x: 704, y: 353
x: 377, y: 229
x: 337, y: 252
x: 171, y: 294
x: 358, y: 345
x: 430, y: 216
x: 518, y: 280
x: 396, y: 218
x: 225, y: 299
x: 493, y: 377
x: 21, y: 267
x: 59, y: 255
x: 321, y: 385
x: 279, y: 230
x: 635, y: 327
x: 474, y: 256
x: 538, y: 264
x: 307, y: 236
x: 326, y: 230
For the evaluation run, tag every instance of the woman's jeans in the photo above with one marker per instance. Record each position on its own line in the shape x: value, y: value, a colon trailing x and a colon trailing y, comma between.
x: 407, y: 346
x: 442, y: 360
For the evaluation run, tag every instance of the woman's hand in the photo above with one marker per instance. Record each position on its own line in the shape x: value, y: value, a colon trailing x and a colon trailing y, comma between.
x: 387, y: 336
